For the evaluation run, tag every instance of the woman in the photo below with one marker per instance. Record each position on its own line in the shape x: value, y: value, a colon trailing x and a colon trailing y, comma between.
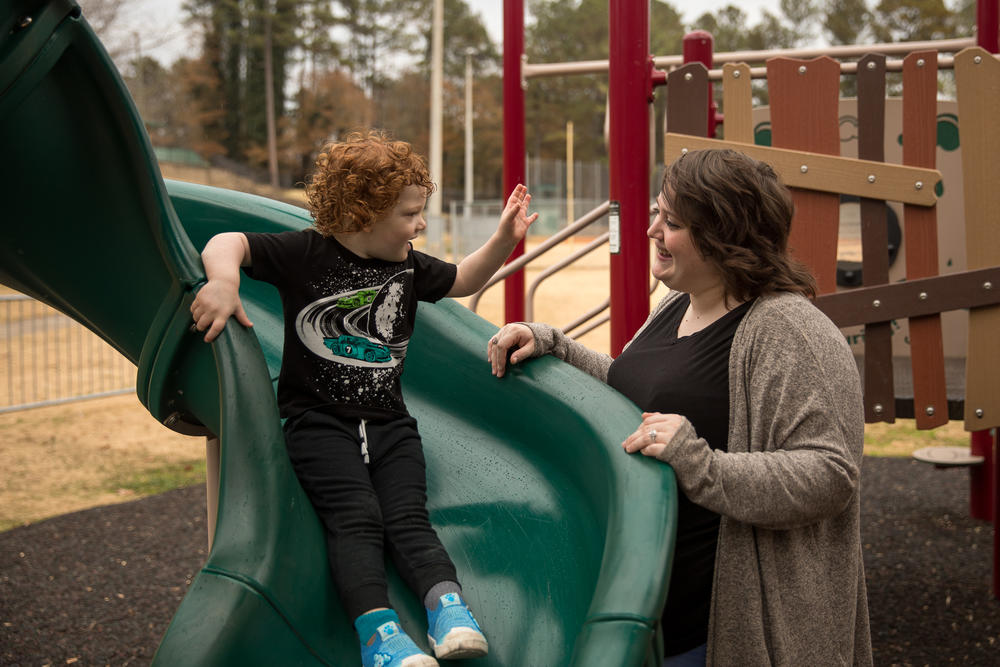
x: 752, y: 395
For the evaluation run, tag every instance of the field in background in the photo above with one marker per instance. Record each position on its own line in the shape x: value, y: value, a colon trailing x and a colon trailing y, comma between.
x: 65, y: 458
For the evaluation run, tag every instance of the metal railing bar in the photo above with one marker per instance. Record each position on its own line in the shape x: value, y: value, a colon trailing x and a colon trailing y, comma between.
x: 586, y: 316
x: 597, y: 311
x: 529, y: 307
x: 68, y: 399
x: 588, y: 218
x: 539, y: 70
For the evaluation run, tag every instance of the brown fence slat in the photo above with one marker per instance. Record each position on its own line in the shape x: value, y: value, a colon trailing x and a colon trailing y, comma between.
x: 913, y: 298
x: 737, y: 103
x: 977, y: 75
x: 687, y: 101
x: 879, y: 387
x: 803, y: 98
x: 920, y: 237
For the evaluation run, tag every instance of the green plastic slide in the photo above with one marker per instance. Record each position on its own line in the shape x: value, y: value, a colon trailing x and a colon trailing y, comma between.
x: 563, y: 543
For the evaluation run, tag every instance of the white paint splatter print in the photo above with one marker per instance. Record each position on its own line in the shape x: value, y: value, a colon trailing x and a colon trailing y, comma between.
x: 389, y: 311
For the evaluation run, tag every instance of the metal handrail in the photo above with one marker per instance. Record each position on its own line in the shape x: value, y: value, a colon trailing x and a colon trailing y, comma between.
x: 844, y: 51
x: 529, y: 309
x: 597, y: 311
x: 538, y: 70
x: 586, y: 219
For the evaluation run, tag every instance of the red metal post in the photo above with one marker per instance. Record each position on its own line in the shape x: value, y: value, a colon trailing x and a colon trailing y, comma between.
x: 988, y: 25
x: 697, y: 47
x: 996, y: 514
x: 980, y: 477
x: 628, y: 158
x: 513, y: 139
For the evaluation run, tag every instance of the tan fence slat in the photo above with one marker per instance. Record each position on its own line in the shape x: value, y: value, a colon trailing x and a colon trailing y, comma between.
x: 930, y: 400
x: 880, y: 403
x: 737, y: 103
x: 827, y: 173
x: 977, y: 75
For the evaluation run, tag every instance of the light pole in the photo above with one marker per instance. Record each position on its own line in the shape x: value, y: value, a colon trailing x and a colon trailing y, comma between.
x: 469, y: 184
x: 434, y: 222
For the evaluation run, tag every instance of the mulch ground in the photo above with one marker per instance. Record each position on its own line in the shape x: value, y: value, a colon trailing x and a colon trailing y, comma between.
x: 99, y: 587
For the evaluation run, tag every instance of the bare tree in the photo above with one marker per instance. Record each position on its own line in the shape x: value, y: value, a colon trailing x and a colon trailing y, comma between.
x: 125, y: 28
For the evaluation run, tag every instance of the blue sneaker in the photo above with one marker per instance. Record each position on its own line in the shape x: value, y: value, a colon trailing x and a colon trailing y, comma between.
x: 391, y: 647
x: 453, y: 632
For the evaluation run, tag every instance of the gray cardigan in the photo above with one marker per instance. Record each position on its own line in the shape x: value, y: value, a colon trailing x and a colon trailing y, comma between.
x: 789, y: 578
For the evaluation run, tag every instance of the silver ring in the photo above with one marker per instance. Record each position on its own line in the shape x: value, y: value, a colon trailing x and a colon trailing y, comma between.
x: 652, y: 435
x: 493, y: 340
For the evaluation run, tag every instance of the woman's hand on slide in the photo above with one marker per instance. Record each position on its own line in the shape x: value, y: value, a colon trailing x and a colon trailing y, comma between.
x: 513, y: 339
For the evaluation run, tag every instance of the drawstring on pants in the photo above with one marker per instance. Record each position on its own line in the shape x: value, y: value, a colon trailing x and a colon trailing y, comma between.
x: 364, y: 440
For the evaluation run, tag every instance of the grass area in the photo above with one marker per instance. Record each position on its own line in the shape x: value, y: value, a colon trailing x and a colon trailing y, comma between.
x: 157, y: 480
x: 75, y: 456
x: 902, y: 438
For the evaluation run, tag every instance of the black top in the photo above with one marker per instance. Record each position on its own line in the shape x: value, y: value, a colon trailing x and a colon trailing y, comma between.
x: 348, y: 321
x: 689, y: 376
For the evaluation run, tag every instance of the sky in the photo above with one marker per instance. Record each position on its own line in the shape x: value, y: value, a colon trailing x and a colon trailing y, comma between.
x: 176, y: 40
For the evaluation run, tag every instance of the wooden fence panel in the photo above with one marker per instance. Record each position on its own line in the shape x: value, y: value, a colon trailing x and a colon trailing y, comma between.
x: 930, y: 400
x: 880, y: 402
x: 804, y: 96
x: 977, y: 75
x: 737, y: 102
x: 687, y: 101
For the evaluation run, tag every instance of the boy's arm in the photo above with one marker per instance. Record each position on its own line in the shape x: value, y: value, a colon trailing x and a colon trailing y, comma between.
x: 219, y: 297
x: 479, y: 267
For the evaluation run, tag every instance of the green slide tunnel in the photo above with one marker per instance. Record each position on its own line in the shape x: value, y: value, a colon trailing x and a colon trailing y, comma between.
x: 563, y: 543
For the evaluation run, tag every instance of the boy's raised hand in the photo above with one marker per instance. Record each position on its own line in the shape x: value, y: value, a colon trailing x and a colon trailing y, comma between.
x: 515, y: 219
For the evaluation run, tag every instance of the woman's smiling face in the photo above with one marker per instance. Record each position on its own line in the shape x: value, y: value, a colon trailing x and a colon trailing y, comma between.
x: 678, y: 264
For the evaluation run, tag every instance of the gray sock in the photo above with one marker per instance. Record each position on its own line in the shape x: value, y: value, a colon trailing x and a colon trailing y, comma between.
x: 437, y: 590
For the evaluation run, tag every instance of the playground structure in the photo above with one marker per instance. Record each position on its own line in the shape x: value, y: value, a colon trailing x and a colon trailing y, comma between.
x: 539, y: 513
x: 901, y: 349
x: 134, y: 242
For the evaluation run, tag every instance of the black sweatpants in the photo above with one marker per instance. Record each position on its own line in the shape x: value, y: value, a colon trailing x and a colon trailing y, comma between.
x: 367, y: 505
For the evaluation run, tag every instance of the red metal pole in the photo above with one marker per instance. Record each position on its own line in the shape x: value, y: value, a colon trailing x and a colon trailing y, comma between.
x: 628, y: 157
x: 697, y: 48
x: 996, y: 514
x: 988, y: 25
x: 513, y: 139
x: 980, y: 477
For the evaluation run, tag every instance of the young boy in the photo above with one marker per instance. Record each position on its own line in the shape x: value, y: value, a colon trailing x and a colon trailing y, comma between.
x: 349, y: 289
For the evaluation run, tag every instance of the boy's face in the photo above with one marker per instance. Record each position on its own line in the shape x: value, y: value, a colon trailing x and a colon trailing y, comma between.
x: 390, y: 236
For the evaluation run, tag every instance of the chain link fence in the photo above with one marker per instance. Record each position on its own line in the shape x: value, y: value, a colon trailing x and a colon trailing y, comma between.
x: 48, y: 358
x: 470, y: 225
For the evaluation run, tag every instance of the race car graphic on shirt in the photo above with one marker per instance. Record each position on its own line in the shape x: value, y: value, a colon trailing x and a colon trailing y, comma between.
x: 356, y: 300
x: 360, y: 327
x: 356, y: 347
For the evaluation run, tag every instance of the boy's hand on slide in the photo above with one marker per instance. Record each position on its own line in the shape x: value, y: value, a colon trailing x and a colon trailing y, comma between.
x: 214, y: 304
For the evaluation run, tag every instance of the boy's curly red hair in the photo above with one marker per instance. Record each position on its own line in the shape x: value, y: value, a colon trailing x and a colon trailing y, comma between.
x: 359, y: 180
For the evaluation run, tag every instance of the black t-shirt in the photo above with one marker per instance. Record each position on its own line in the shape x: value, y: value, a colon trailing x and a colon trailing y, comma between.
x: 348, y: 321
x: 688, y: 376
